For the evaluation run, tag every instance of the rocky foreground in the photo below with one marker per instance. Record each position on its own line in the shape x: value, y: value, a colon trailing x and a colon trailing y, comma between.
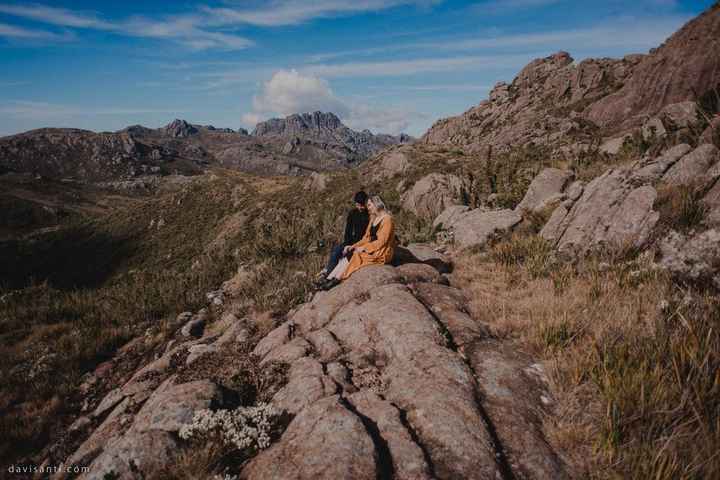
x: 389, y: 378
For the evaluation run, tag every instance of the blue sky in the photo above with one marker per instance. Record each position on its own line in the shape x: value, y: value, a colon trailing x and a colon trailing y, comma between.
x: 386, y: 65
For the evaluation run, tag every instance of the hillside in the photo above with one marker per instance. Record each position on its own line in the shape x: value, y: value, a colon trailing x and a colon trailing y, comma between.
x: 552, y: 311
x: 572, y: 107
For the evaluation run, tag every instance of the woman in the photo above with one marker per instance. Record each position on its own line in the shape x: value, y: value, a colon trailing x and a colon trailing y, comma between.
x: 376, y: 247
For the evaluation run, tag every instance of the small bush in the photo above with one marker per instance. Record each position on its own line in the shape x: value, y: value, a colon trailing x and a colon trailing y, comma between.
x: 245, y: 429
x: 681, y: 207
x: 223, y: 440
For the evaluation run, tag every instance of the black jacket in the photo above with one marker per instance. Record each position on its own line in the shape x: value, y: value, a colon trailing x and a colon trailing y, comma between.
x: 357, y: 222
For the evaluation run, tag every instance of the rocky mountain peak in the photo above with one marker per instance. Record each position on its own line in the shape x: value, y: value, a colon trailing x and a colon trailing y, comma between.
x: 298, y: 124
x: 180, y: 129
x: 325, y: 131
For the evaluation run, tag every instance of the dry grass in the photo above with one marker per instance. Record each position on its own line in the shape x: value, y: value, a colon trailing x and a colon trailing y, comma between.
x: 634, y: 360
x: 681, y: 207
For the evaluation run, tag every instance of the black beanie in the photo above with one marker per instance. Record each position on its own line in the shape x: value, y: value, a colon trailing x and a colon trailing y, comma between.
x: 361, y: 197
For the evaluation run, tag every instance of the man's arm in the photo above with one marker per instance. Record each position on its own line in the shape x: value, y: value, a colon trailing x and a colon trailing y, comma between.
x: 347, y: 239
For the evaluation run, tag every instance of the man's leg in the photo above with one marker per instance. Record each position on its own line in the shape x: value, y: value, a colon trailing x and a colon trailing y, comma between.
x: 335, y: 256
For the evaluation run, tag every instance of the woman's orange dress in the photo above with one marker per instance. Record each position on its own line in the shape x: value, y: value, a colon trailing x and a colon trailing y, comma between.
x: 379, y: 251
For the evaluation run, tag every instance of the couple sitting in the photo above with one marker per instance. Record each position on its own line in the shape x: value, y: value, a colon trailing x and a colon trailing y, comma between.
x: 369, y: 240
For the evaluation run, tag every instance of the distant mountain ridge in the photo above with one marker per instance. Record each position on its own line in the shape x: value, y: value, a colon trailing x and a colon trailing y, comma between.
x: 297, y: 144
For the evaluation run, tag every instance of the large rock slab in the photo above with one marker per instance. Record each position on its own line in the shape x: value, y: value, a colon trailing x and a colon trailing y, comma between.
x: 477, y: 227
x: 514, y: 396
x: 611, y: 213
x: 422, y: 376
x: 545, y: 188
x: 408, y: 459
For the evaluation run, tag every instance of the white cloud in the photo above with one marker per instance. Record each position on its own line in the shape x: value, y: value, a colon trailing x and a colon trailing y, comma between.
x: 392, y: 120
x: 54, y: 16
x: 293, y: 12
x: 11, y: 31
x: 631, y: 34
x: 289, y: 91
x: 623, y: 32
x: 187, y: 29
x: 52, y: 111
x: 199, y: 30
x: 411, y: 67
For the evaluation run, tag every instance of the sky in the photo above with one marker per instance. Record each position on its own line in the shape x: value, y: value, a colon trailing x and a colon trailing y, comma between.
x: 385, y: 65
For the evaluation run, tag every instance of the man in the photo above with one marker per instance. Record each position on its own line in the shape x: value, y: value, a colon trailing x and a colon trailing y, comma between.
x: 355, y: 226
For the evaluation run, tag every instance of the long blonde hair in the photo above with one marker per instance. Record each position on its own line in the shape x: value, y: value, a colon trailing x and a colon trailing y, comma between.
x: 379, y: 204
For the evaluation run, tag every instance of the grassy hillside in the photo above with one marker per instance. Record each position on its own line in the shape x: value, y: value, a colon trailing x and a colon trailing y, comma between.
x: 632, y: 355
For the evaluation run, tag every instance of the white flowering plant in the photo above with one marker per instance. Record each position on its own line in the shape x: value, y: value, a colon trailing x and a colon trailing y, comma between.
x: 246, y: 429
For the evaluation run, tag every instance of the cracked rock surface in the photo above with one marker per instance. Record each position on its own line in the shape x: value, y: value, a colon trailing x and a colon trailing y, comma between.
x: 397, y: 381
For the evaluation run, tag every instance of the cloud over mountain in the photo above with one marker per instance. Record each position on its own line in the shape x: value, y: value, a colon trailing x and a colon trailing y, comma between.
x: 290, y: 91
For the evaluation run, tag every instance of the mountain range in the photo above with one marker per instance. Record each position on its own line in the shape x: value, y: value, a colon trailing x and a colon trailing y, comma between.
x: 293, y: 145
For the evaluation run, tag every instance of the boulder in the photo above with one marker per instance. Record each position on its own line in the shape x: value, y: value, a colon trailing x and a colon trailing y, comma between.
x: 611, y: 213
x: 448, y: 216
x: 432, y: 194
x: 612, y: 146
x: 712, y: 203
x: 692, y: 257
x: 545, y: 188
x: 693, y: 168
x: 199, y: 350
x: 194, y: 328
x: 681, y: 115
x: 324, y: 344
x: 476, y: 227
x: 316, y: 182
x: 390, y: 165
x: 651, y: 170
x: 653, y: 129
x: 170, y: 408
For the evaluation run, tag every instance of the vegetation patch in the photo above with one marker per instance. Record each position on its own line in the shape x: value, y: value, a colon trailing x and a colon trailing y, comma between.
x: 633, y: 357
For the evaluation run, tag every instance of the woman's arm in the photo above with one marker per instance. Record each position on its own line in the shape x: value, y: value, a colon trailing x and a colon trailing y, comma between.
x: 384, y: 235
